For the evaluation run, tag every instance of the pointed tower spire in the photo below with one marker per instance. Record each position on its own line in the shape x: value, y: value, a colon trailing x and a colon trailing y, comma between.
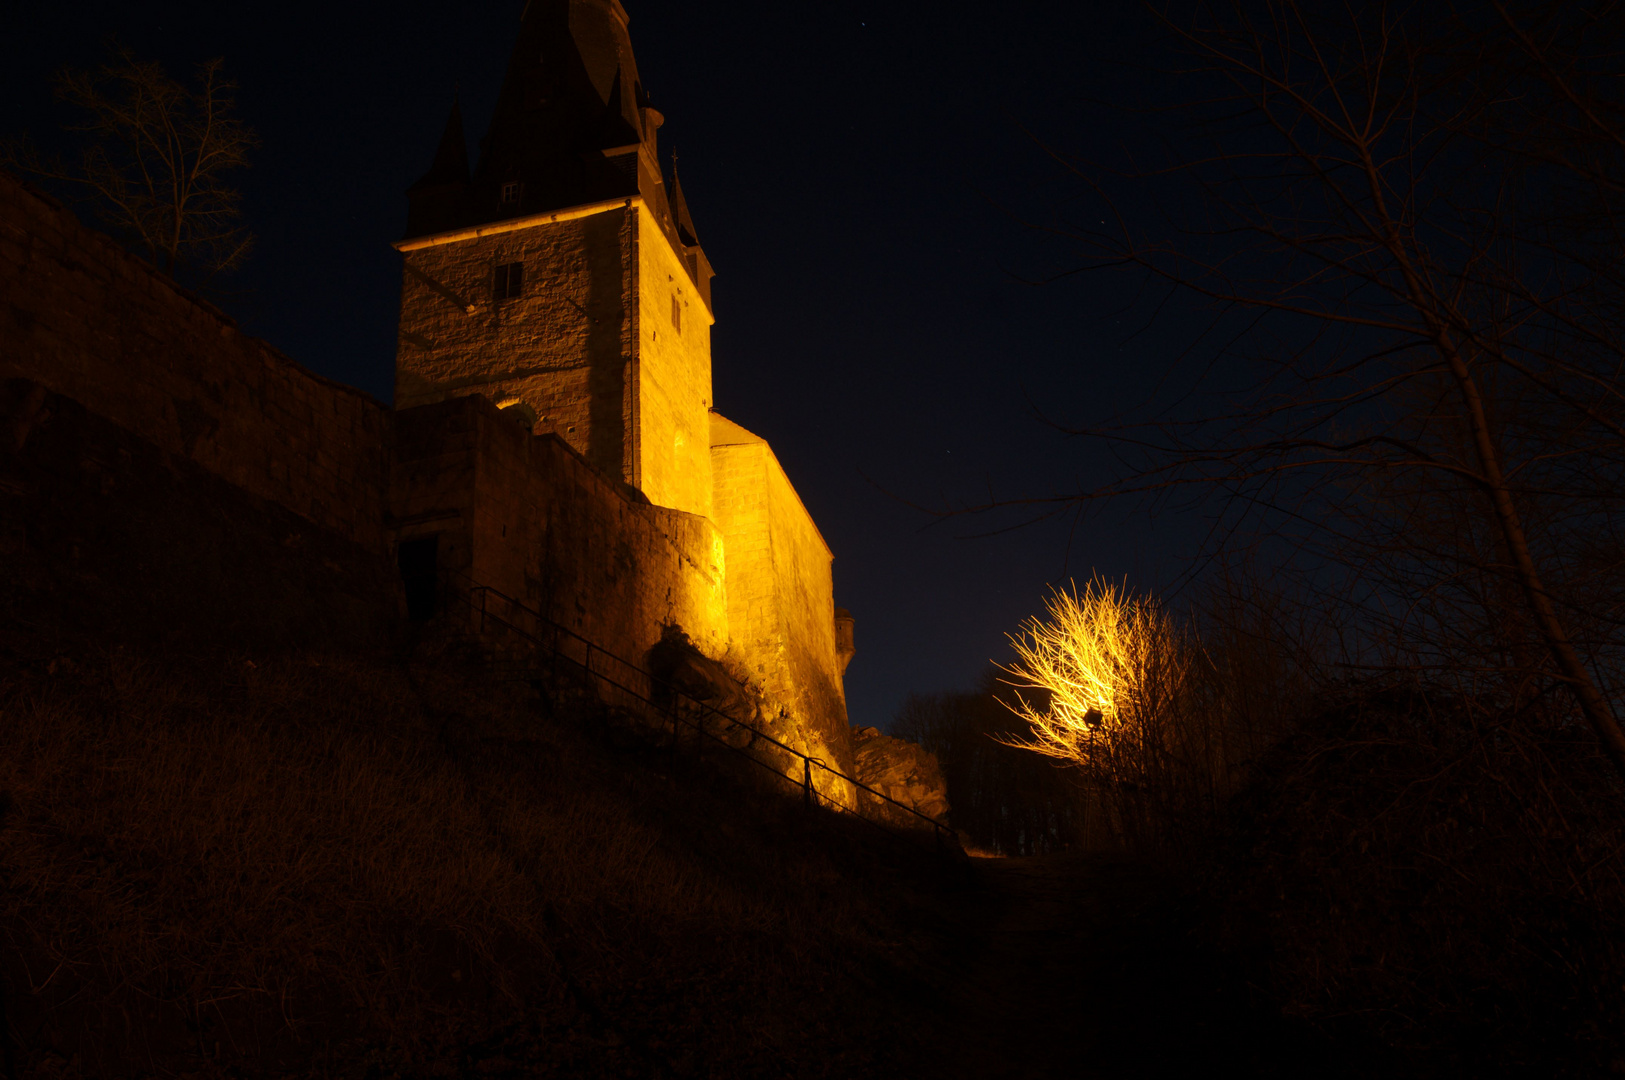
x: 451, y: 157
x: 679, y: 209
x: 573, y: 128
x: 572, y: 117
x: 439, y: 200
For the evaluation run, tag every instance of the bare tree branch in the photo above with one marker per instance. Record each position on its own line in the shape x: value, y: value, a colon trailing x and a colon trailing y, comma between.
x: 154, y: 158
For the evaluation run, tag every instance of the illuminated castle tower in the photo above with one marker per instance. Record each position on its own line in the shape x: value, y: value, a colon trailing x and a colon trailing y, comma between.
x: 564, y: 283
x: 561, y: 280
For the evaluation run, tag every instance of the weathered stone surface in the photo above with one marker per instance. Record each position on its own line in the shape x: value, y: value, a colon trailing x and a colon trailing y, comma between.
x: 84, y: 319
x: 903, y: 771
x: 607, y: 341
x: 610, y: 530
x: 105, y: 534
x: 781, y: 612
x: 528, y: 516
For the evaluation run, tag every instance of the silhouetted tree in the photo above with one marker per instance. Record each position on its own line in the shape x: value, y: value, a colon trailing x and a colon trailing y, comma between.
x: 154, y: 159
x: 1405, y: 224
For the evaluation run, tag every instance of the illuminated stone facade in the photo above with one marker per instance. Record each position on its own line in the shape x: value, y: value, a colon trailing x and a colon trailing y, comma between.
x: 607, y: 343
x: 561, y: 280
x: 781, y: 614
x: 552, y: 435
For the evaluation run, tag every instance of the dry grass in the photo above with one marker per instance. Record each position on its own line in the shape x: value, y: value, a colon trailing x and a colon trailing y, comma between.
x: 252, y: 862
x: 199, y: 842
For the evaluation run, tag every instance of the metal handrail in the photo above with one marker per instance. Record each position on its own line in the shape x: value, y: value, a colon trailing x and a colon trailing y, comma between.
x: 809, y: 793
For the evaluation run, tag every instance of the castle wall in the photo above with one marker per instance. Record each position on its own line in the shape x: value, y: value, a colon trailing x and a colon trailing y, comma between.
x: 527, y: 515
x: 563, y: 346
x: 106, y: 537
x: 88, y: 321
x: 780, y: 587
x: 674, y: 388
x: 535, y: 516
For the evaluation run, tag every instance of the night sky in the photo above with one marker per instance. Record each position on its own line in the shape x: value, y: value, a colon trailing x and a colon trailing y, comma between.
x: 859, y: 177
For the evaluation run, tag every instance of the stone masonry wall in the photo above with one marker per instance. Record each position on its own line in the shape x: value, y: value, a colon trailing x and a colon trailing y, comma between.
x: 534, y: 515
x: 563, y: 346
x: 780, y: 587
x: 591, y: 344
x: 527, y: 515
x: 88, y: 321
x: 104, y: 536
x: 674, y: 384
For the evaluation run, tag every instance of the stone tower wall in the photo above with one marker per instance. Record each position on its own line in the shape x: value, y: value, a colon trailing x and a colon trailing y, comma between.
x: 609, y: 342
x: 674, y: 383
x: 564, y: 346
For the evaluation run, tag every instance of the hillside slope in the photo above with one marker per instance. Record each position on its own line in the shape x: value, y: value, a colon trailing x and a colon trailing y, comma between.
x: 377, y: 862
x: 312, y: 865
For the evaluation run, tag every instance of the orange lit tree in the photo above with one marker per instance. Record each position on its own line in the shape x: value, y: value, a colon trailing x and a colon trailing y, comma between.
x: 1126, y: 696
x: 1108, y: 665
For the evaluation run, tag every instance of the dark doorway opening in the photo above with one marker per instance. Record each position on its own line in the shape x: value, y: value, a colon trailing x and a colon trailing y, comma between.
x: 419, y: 562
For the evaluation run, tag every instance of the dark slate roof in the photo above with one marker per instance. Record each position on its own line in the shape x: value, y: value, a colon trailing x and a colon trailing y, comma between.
x: 451, y: 157
x: 572, y: 125
x: 440, y: 199
x: 571, y: 92
x: 679, y: 210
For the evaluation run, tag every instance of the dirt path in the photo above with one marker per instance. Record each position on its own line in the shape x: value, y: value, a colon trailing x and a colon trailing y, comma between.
x: 1083, y: 966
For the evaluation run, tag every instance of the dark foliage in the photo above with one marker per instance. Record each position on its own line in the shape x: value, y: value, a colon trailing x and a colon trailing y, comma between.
x: 1442, y: 877
x: 1008, y: 801
x: 336, y: 865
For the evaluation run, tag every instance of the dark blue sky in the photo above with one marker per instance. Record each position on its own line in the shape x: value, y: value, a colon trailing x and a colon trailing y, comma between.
x: 856, y: 173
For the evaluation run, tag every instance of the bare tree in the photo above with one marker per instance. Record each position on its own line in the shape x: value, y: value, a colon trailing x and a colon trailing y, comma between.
x: 155, y: 158
x: 1405, y: 224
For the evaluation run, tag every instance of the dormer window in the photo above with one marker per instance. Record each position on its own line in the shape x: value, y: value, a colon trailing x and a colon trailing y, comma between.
x: 512, y: 192
x: 508, y: 281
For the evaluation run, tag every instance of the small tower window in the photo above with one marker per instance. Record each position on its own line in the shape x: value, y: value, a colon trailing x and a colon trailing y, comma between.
x: 509, y: 281
x: 677, y: 315
x: 512, y: 192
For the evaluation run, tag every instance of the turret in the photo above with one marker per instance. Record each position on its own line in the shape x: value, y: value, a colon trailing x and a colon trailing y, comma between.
x: 688, y: 242
x: 844, y: 648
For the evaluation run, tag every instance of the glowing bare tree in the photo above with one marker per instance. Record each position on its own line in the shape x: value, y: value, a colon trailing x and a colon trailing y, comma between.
x: 155, y: 159
x: 1127, y: 698
x: 1106, y: 662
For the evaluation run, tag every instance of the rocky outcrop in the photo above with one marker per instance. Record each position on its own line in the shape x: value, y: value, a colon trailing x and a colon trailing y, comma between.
x: 701, y: 690
x: 903, y: 771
